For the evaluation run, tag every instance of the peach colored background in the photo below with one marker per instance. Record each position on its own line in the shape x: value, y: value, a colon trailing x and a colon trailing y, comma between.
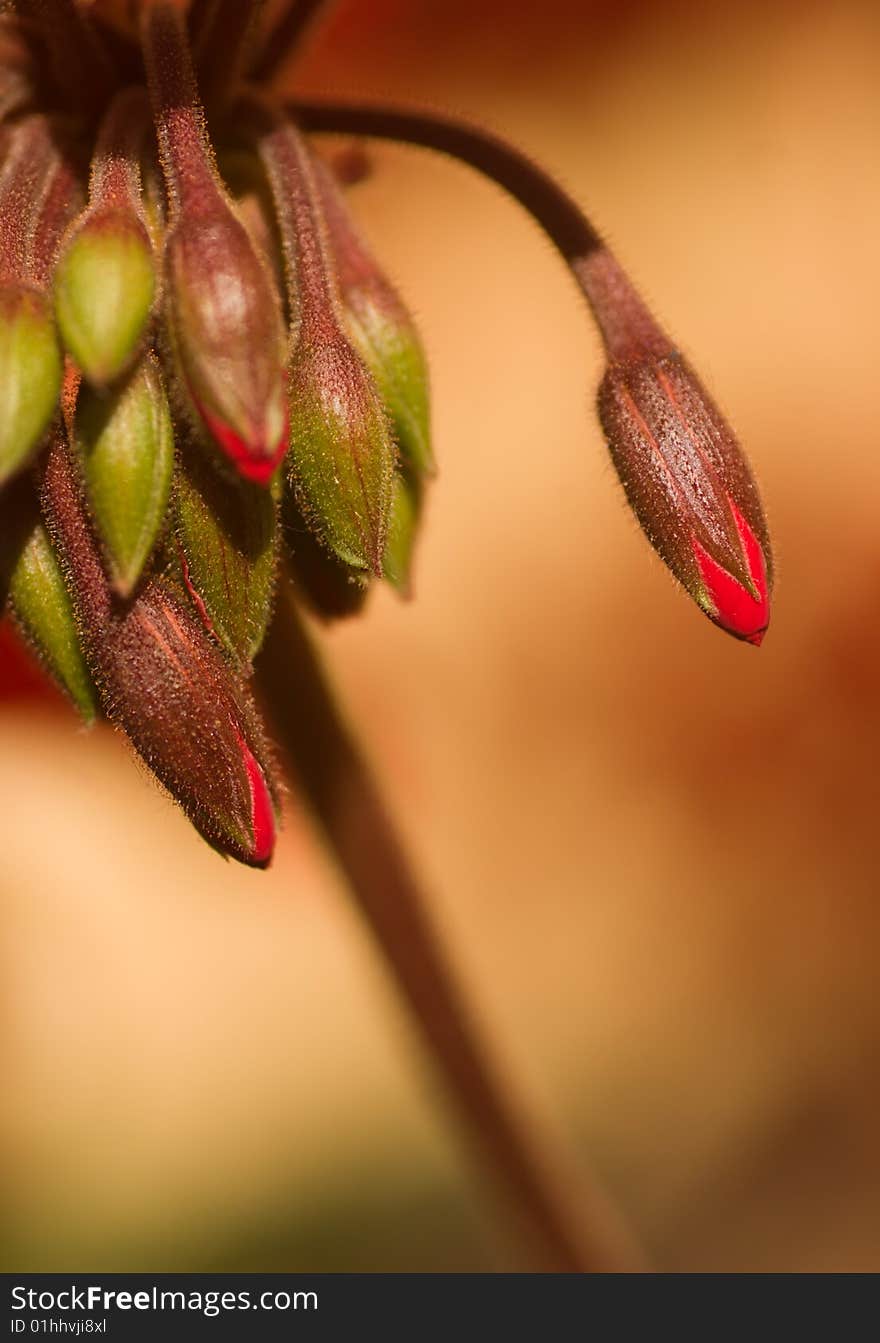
x: 653, y: 852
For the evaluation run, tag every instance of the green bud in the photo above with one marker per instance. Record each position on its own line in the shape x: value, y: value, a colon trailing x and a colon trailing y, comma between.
x: 406, y: 511
x: 105, y: 284
x: 390, y: 347
x: 380, y: 325
x: 43, y: 611
x: 226, y: 537
x: 30, y: 374
x: 126, y: 442
x: 341, y: 451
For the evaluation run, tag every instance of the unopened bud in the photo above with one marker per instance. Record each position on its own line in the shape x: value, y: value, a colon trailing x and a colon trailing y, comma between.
x: 126, y: 442
x: 341, y: 453
x: 167, y: 685
x: 192, y: 722
x: 104, y: 289
x: 226, y: 537
x: 40, y: 601
x: 223, y: 315
x: 105, y: 279
x: 683, y: 470
x: 30, y: 374
x: 227, y: 337
x: 381, y: 327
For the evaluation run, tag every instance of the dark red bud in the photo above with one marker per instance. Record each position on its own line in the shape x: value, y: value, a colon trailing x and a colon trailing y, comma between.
x: 223, y: 313
x: 683, y: 470
x: 167, y: 685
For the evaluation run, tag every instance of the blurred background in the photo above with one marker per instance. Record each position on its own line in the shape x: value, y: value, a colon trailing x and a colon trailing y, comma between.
x: 652, y: 852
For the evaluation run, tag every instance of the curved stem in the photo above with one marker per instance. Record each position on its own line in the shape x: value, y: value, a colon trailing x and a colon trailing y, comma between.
x: 623, y: 320
x: 336, y: 780
x: 557, y: 213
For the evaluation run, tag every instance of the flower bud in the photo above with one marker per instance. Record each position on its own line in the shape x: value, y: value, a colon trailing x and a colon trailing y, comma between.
x: 39, y: 599
x: 167, y: 685
x: 683, y: 470
x: 382, y: 329
x: 341, y: 452
x: 226, y: 538
x: 104, y: 290
x: 223, y: 316
x: 341, y: 456
x: 105, y: 279
x: 126, y: 443
x: 226, y: 334
x: 406, y: 510
x: 188, y: 717
x: 30, y: 374
x: 686, y: 480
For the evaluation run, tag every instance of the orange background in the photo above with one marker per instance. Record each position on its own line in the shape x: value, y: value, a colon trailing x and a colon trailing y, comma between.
x: 651, y: 851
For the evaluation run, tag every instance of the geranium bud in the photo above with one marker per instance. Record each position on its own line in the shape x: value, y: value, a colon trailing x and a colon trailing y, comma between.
x: 30, y: 374
x: 170, y: 690
x: 341, y: 452
x: 381, y: 327
x: 40, y: 601
x: 406, y: 512
x: 223, y: 315
x: 166, y: 684
x: 126, y: 443
x: 33, y: 183
x: 683, y: 470
x: 105, y: 281
x: 104, y: 290
x: 225, y: 533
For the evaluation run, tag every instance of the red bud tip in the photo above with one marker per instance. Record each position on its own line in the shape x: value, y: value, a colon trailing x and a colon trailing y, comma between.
x: 262, y: 810
x: 256, y: 459
x: 742, y: 613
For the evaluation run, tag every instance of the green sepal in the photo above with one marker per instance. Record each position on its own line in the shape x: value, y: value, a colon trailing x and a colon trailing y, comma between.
x: 406, y: 512
x: 342, y: 455
x: 105, y: 285
x: 30, y: 374
x: 32, y: 580
x: 226, y: 538
x: 390, y: 347
x: 126, y: 443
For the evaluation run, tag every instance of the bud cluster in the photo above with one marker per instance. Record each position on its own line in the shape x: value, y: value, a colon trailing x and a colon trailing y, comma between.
x: 205, y: 373
x: 173, y: 414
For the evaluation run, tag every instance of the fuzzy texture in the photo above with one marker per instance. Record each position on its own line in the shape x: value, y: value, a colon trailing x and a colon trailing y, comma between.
x: 166, y: 684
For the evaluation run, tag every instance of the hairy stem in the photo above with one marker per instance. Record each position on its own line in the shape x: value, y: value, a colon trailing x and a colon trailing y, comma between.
x: 622, y: 317
x: 336, y: 779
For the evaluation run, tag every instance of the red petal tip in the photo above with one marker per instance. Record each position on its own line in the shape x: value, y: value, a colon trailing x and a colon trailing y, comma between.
x: 735, y: 608
x: 262, y: 809
x: 253, y: 460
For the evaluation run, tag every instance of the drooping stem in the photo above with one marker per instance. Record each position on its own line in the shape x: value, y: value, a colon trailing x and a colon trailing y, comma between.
x: 336, y: 779
x: 622, y: 317
x: 284, y: 37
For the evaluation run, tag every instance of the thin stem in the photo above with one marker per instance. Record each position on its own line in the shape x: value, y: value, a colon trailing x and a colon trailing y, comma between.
x: 336, y: 779
x: 285, y: 37
x: 622, y: 317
